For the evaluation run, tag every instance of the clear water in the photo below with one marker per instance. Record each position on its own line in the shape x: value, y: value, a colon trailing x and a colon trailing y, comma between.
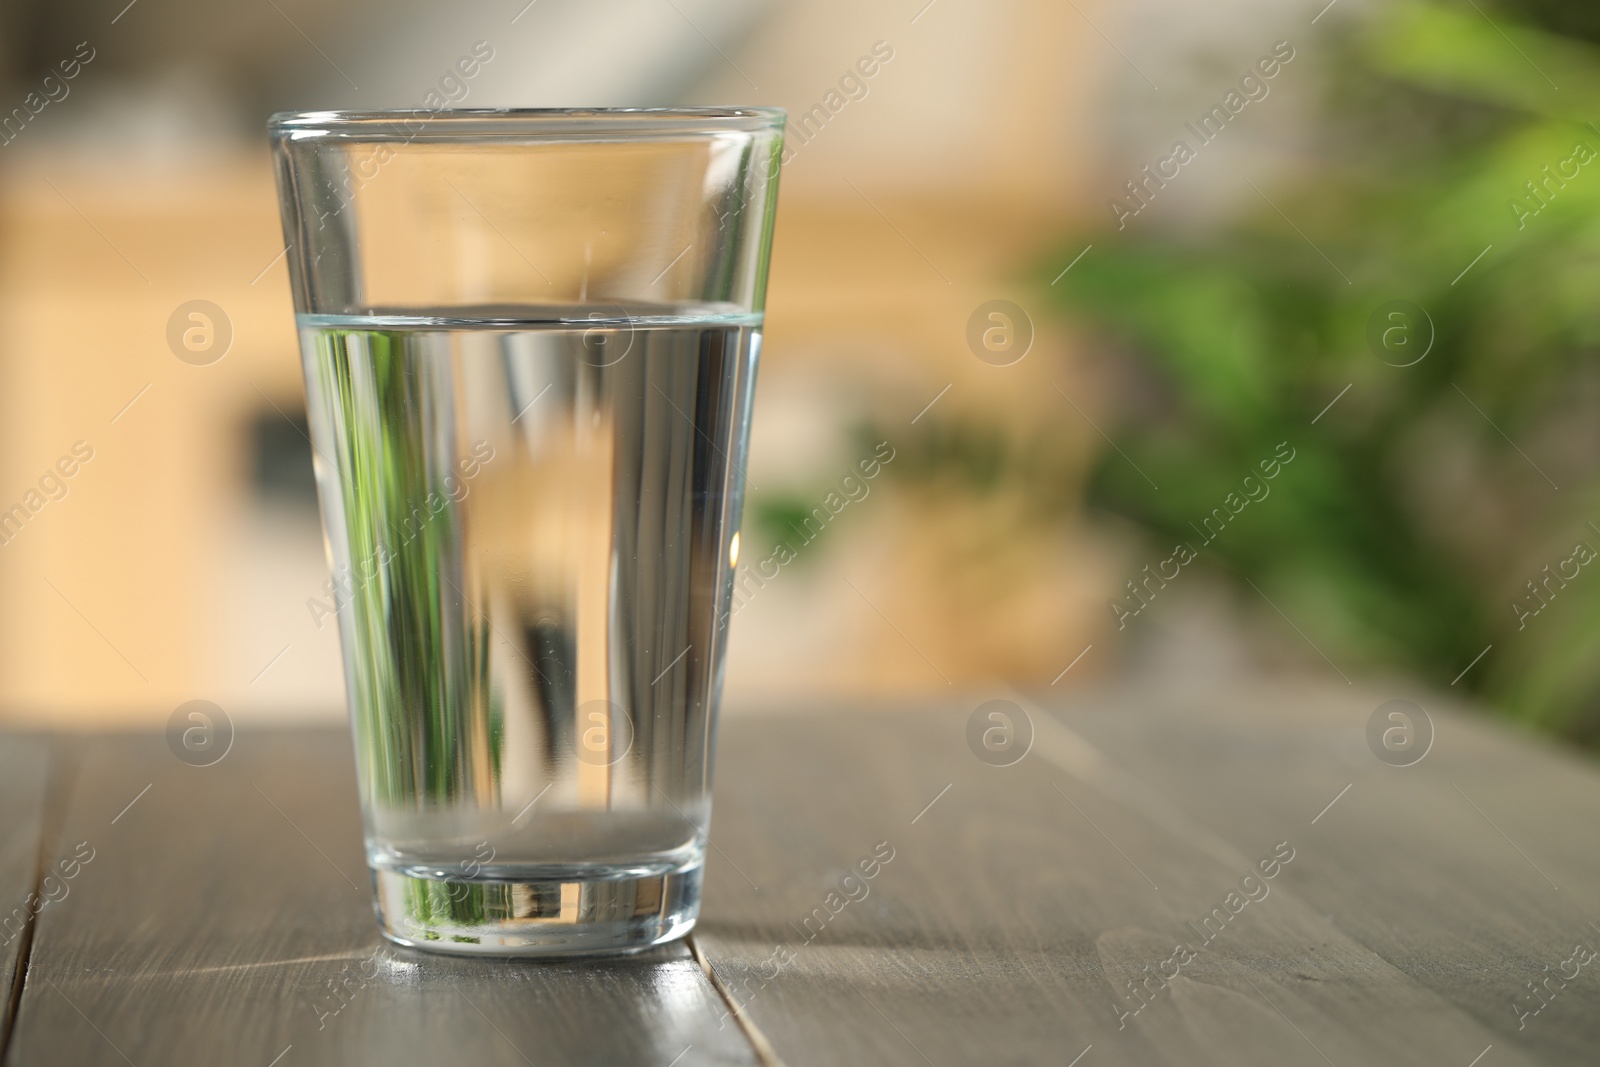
x: 530, y: 514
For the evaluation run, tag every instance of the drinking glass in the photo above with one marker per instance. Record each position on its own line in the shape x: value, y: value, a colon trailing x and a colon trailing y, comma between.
x: 529, y: 340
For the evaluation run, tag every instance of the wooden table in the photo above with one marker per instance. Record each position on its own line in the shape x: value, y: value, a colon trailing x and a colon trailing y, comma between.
x: 224, y: 919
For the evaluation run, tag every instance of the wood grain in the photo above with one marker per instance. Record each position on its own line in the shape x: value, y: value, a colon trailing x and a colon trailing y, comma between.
x: 875, y: 894
x: 1471, y: 871
x: 225, y: 918
x: 1019, y: 906
x: 24, y: 771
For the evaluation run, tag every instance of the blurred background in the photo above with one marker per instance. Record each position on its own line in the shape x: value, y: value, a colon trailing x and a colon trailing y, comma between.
x: 1206, y: 343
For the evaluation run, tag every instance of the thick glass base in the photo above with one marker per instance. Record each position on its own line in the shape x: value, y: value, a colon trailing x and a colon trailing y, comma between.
x: 564, y: 915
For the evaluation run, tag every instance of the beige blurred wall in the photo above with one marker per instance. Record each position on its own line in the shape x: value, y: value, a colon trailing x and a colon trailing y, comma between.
x: 158, y: 580
x: 122, y: 598
x: 991, y: 100
x: 946, y: 186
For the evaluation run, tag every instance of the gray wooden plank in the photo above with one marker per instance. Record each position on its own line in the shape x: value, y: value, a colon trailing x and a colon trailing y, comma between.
x: 223, y: 906
x: 1017, y: 908
x: 1474, y: 870
x: 24, y: 771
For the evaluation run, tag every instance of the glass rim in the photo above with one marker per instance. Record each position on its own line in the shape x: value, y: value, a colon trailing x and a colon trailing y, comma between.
x: 520, y: 125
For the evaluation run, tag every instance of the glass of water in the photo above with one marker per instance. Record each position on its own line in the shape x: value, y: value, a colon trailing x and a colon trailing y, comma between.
x: 529, y: 341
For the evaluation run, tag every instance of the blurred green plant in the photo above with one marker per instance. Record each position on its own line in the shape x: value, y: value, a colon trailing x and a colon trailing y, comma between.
x: 428, y: 728
x: 1409, y: 526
